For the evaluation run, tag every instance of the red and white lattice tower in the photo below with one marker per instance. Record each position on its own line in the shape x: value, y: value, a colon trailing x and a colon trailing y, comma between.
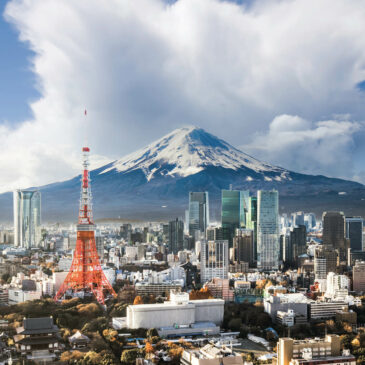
x: 86, y: 272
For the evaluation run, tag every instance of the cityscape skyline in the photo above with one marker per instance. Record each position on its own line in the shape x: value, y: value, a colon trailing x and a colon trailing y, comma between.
x: 219, y: 218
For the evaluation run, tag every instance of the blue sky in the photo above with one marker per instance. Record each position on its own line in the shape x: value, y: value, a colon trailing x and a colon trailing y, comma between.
x: 17, y: 80
x: 281, y: 79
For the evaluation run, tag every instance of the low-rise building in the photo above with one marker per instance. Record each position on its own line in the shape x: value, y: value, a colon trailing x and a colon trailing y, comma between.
x: 220, y: 289
x: 298, y: 302
x: 286, y: 318
x: 312, y: 352
x: 322, y: 310
x: 38, y: 339
x: 78, y: 340
x: 211, y: 355
x: 179, y: 316
x: 159, y: 289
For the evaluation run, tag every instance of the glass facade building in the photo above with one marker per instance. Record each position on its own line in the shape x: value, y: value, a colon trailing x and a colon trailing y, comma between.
x: 235, y: 205
x: 176, y: 236
x: 268, y: 237
x: 198, y: 213
x: 251, y: 222
x: 27, y: 218
x: 354, y: 228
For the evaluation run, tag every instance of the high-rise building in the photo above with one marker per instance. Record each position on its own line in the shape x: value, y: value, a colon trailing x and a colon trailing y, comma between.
x: 99, y: 242
x: 298, y: 219
x: 268, y: 249
x: 325, y: 261
x: 334, y: 232
x: 298, y: 241
x: 176, y: 236
x: 243, y: 246
x: 198, y: 213
x: 27, y: 218
x: 358, y: 277
x: 354, y: 227
x: 310, y: 221
x: 251, y: 222
x: 214, y: 260
x: 125, y: 231
x: 234, y: 208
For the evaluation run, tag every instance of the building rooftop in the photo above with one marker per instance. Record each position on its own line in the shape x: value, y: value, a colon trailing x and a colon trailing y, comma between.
x: 37, y: 326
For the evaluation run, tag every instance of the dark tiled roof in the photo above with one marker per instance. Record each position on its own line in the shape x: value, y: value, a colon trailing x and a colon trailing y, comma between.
x: 38, y: 341
x: 37, y: 326
x: 38, y: 323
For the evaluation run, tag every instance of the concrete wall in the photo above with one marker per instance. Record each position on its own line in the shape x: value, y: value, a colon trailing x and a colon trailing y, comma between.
x: 211, y: 310
x: 168, y: 314
x: 159, y: 315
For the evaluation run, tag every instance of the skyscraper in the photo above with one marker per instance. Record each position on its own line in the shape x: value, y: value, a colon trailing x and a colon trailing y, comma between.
x: 325, y: 261
x: 198, y: 213
x: 268, y: 230
x: 297, y: 219
x: 234, y: 208
x: 27, y: 218
x: 310, y: 221
x: 214, y: 260
x: 298, y: 241
x: 176, y: 236
x: 354, y: 226
x: 243, y: 246
x: 334, y: 232
x: 359, y: 277
x: 251, y: 222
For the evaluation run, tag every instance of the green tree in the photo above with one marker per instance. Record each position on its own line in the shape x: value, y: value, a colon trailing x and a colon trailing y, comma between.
x: 129, y: 356
x: 234, y: 324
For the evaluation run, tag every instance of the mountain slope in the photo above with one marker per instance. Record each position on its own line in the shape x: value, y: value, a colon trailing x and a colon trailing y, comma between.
x: 153, y: 183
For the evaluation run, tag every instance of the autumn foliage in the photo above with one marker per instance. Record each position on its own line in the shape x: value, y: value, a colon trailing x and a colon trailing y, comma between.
x: 203, y: 293
x: 149, y: 348
x: 138, y: 300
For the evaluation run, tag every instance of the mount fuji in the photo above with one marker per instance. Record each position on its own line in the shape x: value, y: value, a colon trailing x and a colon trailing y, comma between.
x: 153, y: 183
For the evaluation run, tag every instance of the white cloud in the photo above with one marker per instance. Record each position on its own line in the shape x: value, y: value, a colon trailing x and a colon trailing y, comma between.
x: 143, y: 67
x: 324, y: 147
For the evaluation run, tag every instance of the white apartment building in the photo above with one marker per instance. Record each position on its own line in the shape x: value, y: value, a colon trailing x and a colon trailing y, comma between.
x: 214, y: 260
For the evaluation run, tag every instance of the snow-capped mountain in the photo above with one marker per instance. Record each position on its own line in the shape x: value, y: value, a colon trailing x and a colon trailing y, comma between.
x: 190, y: 150
x: 154, y: 182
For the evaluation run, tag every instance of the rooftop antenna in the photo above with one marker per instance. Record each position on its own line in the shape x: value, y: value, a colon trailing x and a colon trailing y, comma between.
x: 85, y: 135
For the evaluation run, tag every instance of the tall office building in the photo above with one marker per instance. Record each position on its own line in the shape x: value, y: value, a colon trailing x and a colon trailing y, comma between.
x: 99, y: 242
x: 298, y: 219
x: 310, y: 221
x: 198, y: 213
x: 285, y: 248
x: 251, y: 222
x: 325, y: 261
x: 298, y: 241
x: 243, y: 246
x: 358, y: 277
x: 268, y: 237
x: 27, y: 218
x: 234, y: 208
x: 334, y: 232
x: 214, y: 260
x: 354, y: 227
x: 176, y: 236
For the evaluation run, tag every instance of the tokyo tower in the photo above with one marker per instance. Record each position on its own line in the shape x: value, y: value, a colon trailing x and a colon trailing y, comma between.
x: 86, y: 272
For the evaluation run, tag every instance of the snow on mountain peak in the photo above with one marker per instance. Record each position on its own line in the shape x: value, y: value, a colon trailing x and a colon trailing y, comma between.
x: 187, y: 151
